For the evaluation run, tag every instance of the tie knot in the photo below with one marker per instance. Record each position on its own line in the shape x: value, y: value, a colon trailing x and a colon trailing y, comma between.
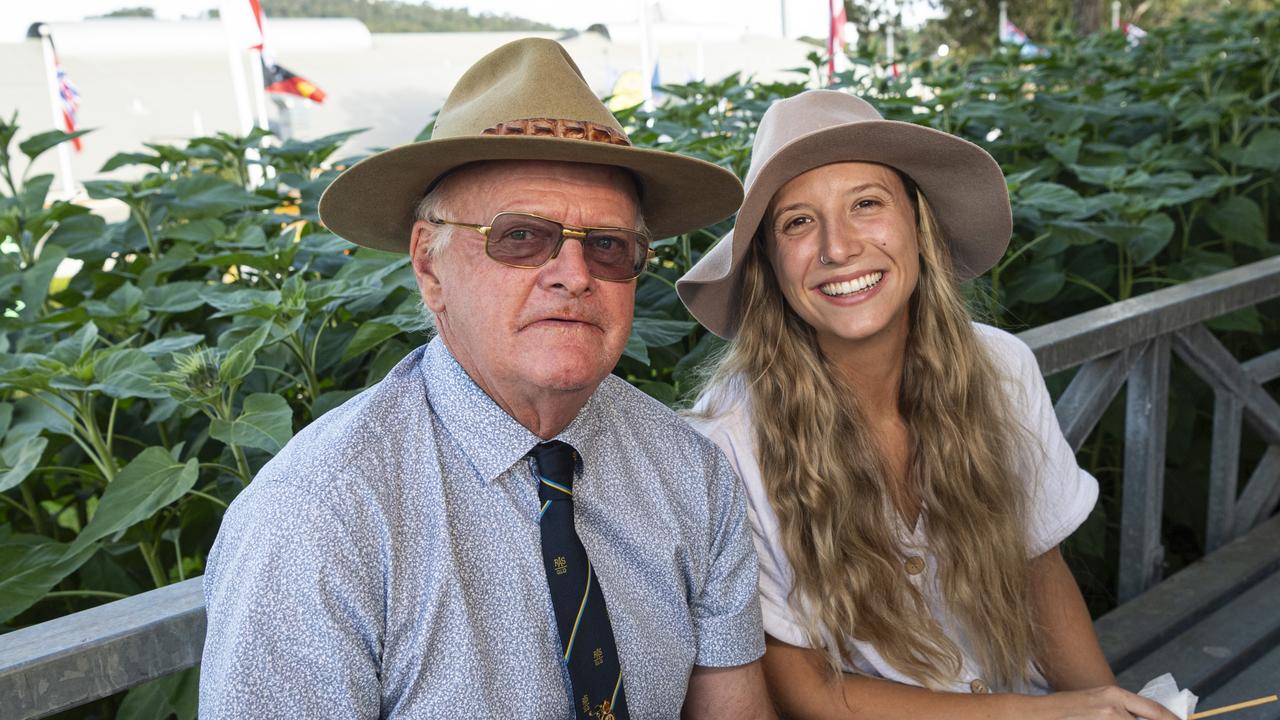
x: 554, y: 464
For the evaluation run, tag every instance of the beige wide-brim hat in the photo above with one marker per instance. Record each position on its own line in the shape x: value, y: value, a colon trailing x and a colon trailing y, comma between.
x: 964, y: 186
x: 527, y: 100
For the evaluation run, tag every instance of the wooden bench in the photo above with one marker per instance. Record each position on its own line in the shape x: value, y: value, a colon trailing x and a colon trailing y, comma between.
x: 1215, y: 625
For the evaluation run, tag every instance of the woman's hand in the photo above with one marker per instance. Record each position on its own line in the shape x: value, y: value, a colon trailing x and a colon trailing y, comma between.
x: 1102, y: 703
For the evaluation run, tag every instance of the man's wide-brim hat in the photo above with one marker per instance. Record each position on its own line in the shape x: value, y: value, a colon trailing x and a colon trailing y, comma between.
x: 963, y: 184
x: 527, y: 100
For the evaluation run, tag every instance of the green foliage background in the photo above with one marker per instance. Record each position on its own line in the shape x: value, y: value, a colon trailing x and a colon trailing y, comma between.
x: 139, y: 396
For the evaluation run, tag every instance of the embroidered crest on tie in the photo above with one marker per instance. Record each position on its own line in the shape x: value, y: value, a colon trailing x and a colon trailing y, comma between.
x: 586, y: 637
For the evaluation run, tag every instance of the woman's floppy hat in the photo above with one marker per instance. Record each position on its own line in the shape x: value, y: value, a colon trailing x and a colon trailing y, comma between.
x: 964, y: 185
x: 527, y: 100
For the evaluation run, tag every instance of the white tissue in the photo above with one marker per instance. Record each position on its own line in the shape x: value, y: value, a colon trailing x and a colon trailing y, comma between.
x: 1165, y: 691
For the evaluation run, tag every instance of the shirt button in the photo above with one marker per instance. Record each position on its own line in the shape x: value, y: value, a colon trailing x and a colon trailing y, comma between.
x: 977, y: 687
x: 915, y: 565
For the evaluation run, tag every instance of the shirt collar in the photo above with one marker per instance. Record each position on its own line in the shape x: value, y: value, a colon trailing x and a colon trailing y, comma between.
x: 490, y: 438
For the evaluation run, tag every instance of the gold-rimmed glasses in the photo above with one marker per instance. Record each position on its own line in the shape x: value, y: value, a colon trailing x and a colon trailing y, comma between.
x: 525, y: 240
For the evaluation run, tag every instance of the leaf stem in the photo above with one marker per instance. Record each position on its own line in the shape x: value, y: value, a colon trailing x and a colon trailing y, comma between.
x: 85, y: 593
x: 153, y: 564
x: 33, y: 509
x: 17, y: 505
x: 208, y: 497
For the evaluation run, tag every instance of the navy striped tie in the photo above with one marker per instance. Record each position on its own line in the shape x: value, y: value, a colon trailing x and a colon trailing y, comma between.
x: 586, y: 637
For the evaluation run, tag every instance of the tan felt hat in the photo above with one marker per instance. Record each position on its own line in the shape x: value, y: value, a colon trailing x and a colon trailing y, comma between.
x: 964, y: 185
x: 526, y: 100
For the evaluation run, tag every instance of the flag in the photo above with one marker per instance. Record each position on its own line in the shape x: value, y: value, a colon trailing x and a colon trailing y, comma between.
x: 835, y: 35
x: 68, y: 98
x: 1013, y: 35
x: 1133, y: 33
x: 247, y: 26
x: 277, y: 79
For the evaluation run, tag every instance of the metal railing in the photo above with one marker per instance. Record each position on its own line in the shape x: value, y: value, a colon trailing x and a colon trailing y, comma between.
x: 89, y: 655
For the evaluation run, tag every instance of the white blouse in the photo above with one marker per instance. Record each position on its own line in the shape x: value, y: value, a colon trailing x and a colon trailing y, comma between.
x: 1060, y: 495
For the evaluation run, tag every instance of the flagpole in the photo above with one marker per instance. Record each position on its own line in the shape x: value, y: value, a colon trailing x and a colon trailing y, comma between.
x: 1004, y: 20
x: 260, y: 97
x: 646, y: 55
x: 889, y: 49
x: 235, y: 60
x: 831, y: 41
x: 55, y: 105
x: 1115, y: 14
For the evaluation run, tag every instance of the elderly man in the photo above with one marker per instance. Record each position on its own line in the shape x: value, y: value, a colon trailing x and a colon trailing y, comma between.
x: 499, y: 528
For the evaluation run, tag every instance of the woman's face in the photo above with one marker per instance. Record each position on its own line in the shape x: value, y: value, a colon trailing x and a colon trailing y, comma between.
x: 858, y: 216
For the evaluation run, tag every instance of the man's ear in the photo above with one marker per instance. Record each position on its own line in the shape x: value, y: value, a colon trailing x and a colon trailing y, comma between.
x: 426, y: 266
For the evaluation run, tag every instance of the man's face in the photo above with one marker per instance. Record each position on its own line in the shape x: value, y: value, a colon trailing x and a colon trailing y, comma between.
x: 528, y: 330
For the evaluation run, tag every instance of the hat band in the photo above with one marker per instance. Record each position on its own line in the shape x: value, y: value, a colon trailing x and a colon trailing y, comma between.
x: 558, y: 127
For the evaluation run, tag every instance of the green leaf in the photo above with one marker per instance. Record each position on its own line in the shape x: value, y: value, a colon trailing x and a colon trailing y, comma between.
x: 1144, y: 240
x: 265, y: 422
x: 150, y: 482
x: 330, y: 400
x: 197, y: 231
x: 126, y: 373
x: 73, y: 349
x: 1066, y: 152
x: 34, y: 193
x: 636, y: 349
x: 1053, y: 198
x: 658, y: 333
x: 81, y: 234
x: 1247, y: 320
x: 37, y: 278
x: 31, y: 417
x: 660, y: 391
x: 175, y: 297
x: 30, y: 567
x: 35, y: 146
x: 1105, y: 175
x: 171, y: 343
x: 241, y: 358
x: 124, y: 304
x: 1263, y: 150
x: 19, y: 460
x: 206, y: 196
x: 1238, y: 219
x: 1039, y: 282
x: 175, y: 694
x: 368, y: 336
x: 122, y: 159
x: 232, y: 300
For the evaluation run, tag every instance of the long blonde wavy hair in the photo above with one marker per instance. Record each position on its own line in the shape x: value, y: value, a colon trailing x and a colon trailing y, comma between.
x: 828, y: 483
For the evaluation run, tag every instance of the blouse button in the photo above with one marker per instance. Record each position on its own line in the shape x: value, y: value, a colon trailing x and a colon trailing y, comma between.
x: 915, y: 565
x: 978, y: 687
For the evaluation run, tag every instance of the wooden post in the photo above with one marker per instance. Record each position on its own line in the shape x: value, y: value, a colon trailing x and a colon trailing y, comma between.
x: 1224, y: 469
x: 1146, y: 418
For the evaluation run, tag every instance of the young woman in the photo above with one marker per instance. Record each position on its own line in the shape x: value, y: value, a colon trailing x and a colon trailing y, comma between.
x: 908, y: 483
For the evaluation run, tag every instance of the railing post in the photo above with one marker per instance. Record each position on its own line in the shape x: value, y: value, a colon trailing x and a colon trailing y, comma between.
x: 1146, y: 419
x: 1224, y: 469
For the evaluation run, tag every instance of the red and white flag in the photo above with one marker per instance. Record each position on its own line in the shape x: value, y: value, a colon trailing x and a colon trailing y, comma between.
x: 247, y: 25
x: 1133, y: 33
x: 68, y: 98
x: 835, y: 35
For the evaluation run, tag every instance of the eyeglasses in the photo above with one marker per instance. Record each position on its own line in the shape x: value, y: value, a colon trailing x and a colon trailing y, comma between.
x: 524, y: 240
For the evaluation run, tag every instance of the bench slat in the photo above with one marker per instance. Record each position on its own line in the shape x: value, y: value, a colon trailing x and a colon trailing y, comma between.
x: 1213, y: 650
x: 1260, y: 679
x: 1151, y: 619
